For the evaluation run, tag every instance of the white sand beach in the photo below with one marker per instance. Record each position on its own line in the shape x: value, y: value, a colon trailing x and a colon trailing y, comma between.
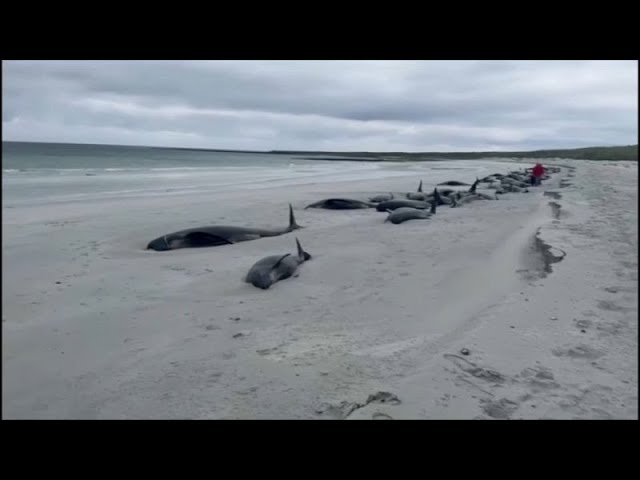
x: 96, y: 327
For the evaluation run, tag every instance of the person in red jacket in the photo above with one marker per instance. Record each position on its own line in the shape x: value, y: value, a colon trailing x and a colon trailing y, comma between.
x: 538, y: 172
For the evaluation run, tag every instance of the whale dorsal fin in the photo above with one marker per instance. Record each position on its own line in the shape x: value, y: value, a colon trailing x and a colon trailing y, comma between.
x: 300, y: 250
x: 292, y: 220
x: 275, y: 265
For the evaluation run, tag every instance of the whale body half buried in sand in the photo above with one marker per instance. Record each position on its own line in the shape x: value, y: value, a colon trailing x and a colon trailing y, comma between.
x: 216, y: 235
x: 269, y: 270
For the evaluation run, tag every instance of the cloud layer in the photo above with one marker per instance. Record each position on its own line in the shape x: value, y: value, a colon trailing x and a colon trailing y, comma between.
x: 324, y: 105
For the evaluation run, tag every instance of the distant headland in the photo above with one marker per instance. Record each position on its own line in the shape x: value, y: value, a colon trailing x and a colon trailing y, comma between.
x: 629, y: 152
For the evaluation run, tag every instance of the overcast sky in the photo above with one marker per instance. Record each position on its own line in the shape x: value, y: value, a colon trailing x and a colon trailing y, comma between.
x: 323, y: 105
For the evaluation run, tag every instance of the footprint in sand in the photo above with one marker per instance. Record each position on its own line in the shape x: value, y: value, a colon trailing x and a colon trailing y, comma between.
x: 271, y: 351
x: 499, y: 409
x: 539, y: 378
x: 612, y: 306
x: 600, y: 414
x: 578, y: 351
x: 555, y: 195
x: 619, y: 289
x: 633, y: 275
x: 213, y: 379
x: 630, y: 265
x: 444, y: 400
x: 555, y: 209
x: 583, y: 323
x: 475, y: 371
x: 588, y: 395
x: 340, y: 411
x: 612, y: 328
x: 381, y: 416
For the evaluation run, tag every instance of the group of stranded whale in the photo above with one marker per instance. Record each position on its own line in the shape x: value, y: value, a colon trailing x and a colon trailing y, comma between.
x: 400, y: 208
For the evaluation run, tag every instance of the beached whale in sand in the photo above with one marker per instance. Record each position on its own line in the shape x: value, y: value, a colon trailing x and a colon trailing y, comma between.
x: 340, y: 204
x: 271, y: 269
x: 438, y: 199
x: 461, y: 198
x: 405, y: 214
x: 381, y: 198
x: 216, y: 235
x: 454, y: 183
x: 399, y: 203
x: 419, y: 195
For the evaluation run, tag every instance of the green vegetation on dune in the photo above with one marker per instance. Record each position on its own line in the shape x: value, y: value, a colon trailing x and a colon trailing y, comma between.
x: 629, y: 152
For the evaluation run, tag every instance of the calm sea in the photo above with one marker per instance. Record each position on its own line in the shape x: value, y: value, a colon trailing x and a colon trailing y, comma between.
x: 33, y: 173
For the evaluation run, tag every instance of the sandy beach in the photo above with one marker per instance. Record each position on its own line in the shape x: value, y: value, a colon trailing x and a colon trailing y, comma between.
x: 541, y: 288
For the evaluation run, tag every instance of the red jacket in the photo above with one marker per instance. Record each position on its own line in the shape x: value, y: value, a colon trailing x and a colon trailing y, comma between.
x: 538, y: 170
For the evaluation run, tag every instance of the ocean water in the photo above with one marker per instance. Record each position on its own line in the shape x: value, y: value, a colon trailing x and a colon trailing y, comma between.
x: 35, y: 173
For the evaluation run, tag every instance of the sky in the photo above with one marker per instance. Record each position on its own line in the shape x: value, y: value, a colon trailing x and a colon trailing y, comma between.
x: 408, y: 106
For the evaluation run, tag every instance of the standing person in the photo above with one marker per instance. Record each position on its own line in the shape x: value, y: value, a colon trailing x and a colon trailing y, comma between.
x: 538, y: 172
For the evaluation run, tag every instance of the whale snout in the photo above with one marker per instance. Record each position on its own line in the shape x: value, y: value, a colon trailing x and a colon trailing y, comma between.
x: 159, y: 244
x: 261, y: 280
x: 263, y: 283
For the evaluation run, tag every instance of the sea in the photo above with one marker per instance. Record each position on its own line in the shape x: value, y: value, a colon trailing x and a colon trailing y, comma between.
x: 36, y: 173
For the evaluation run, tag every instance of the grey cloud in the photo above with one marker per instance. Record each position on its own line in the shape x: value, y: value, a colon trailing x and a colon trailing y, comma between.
x: 313, y: 105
